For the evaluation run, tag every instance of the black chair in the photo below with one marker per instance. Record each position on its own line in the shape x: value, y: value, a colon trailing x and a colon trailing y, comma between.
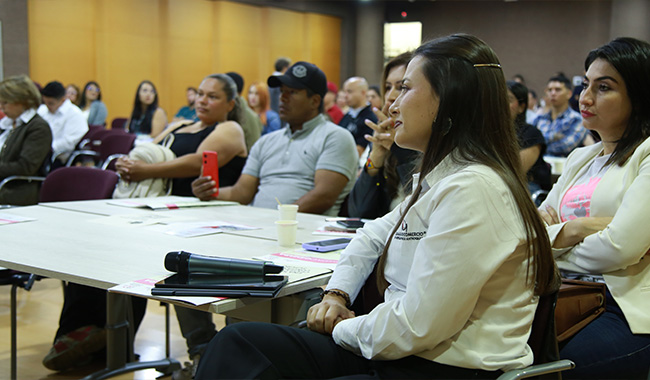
x: 16, y: 280
x: 39, y: 177
x: 543, y: 343
x: 539, y: 196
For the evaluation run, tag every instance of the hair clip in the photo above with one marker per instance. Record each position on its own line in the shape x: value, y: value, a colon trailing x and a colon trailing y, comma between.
x: 487, y: 65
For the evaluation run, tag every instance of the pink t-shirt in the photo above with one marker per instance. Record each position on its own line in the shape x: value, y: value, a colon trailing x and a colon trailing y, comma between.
x: 576, y: 202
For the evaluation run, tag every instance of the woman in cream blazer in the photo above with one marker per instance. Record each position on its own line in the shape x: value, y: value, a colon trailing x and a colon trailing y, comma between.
x: 599, y: 213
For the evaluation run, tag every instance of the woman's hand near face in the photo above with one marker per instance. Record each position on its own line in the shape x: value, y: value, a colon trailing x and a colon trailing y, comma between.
x: 382, y: 138
x: 323, y: 316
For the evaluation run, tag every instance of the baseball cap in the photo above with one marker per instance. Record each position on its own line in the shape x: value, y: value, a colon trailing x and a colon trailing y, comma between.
x: 301, y: 75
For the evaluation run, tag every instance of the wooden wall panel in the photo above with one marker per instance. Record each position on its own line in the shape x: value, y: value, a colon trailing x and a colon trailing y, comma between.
x: 173, y: 43
x: 324, y: 32
x: 66, y: 42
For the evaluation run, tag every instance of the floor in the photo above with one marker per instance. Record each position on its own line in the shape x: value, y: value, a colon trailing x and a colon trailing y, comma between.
x: 38, y: 315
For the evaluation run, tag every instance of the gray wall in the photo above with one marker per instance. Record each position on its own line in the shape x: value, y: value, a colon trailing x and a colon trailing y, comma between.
x: 532, y: 38
x: 630, y: 18
x: 369, y: 55
x: 535, y: 38
x: 15, y: 48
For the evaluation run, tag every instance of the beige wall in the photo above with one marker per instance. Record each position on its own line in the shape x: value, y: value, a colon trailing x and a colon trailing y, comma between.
x: 173, y: 43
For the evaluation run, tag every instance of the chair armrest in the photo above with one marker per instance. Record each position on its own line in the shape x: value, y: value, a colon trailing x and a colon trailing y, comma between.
x: 538, y: 369
x: 78, y: 153
x: 539, y: 196
x: 110, y: 158
x: 20, y: 178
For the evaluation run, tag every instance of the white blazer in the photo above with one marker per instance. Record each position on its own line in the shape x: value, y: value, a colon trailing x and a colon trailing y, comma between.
x: 619, y: 251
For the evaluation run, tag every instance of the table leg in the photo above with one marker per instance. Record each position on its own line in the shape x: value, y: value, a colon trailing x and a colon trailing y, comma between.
x: 116, y: 344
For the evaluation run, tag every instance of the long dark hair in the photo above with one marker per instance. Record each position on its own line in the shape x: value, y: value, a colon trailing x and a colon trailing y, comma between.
x: 631, y: 58
x: 473, y: 126
x: 82, y: 102
x: 521, y: 94
x: 136, y: 114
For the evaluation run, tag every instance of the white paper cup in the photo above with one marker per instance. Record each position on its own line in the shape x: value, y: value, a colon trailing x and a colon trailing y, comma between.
x: 286, y: 232
x: 288, y: 212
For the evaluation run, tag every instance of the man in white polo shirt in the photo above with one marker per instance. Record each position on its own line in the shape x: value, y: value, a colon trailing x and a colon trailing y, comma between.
x: 67, y: 122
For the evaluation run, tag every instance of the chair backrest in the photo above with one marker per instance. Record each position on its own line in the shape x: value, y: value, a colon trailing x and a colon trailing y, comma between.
x: 120, y: 143
x: 543, y: 340
x: 78, y: 183
x: 89, y: 136
x: 99, y: 137
x: 118, y: 123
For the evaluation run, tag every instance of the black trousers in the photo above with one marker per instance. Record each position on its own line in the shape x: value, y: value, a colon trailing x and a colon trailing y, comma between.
x: 86, y: 306
x: 253, y: 350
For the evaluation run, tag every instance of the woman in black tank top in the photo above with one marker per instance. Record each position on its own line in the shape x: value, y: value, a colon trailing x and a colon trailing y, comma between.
x: 217, y: 107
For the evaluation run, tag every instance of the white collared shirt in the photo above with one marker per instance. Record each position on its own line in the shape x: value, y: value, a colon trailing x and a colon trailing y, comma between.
x: 457, y: 272
x: 7, y: 124
x: 68, y: 126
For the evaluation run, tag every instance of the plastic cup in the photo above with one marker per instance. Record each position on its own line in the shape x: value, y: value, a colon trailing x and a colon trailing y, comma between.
x: 288, y: 212
x: 286, y: 232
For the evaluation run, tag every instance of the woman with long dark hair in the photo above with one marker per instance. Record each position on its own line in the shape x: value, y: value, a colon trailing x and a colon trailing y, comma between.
x: 146, y: 118
x: 599, y: 212
x: 531, y: 140
x: 91, y: 104
x: 218, y: 109
x: 461, y: 261
x: 385, y: 178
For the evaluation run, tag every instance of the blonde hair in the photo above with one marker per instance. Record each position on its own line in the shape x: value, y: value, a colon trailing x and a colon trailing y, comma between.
x: 20, y: 89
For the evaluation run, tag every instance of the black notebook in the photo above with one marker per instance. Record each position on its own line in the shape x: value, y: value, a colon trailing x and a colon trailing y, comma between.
x: 213, y: 285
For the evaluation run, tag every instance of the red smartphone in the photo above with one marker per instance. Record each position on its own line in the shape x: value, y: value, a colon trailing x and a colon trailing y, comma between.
x: 211, y: 168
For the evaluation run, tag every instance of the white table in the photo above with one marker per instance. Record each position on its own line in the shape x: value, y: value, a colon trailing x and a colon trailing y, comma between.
x: 66, y: 242
x: 253, y: 216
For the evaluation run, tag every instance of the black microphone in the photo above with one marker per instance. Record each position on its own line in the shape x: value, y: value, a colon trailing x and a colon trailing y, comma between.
x: 185, y: 263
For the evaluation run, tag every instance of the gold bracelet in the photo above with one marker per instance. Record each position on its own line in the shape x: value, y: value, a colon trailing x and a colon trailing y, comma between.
x: 339, y: 293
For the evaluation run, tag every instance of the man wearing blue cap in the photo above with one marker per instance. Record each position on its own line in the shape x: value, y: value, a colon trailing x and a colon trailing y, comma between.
x: 311, y: 162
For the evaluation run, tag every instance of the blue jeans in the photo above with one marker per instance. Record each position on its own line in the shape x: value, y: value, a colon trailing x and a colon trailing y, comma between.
x: 607, y: 349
